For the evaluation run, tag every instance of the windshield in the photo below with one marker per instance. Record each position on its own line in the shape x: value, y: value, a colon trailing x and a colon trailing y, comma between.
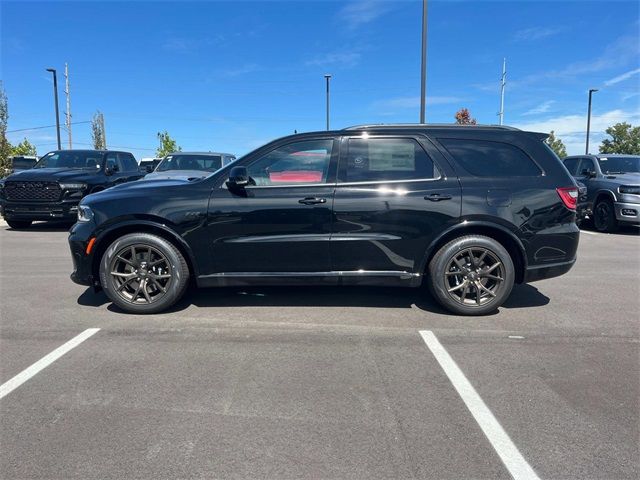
x: 71, y: 159
x: 619, y: 164
x: 23, y: 163
x: 209, y: 163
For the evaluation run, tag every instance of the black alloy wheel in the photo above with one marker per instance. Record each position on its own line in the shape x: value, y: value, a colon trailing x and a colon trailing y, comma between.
x: 143, y: 273
x: 604, y: 216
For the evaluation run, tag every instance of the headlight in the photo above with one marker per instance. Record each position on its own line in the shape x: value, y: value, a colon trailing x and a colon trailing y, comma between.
x: 84, y: 213
x: 634, y: 189
x: 73, y: 186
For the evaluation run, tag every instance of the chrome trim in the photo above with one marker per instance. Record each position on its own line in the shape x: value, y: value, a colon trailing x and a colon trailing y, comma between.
x: 350, y: 273
x: 383, y: 182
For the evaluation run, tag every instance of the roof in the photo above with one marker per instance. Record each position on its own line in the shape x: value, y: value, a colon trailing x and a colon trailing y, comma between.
x: 201, y: 153
x: 426, y: 126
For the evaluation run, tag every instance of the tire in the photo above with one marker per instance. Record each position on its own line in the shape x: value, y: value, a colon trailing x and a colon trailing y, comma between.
x: 19, y: 224
x: 454, y: 284
x: 143, y: 273
x: 604, y: 216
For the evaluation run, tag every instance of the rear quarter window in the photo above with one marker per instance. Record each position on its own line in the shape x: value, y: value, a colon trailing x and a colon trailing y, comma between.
x: 484, y: 158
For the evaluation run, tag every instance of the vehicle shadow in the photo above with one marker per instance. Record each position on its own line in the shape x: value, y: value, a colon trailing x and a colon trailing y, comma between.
x: 522, y: 296
x: 42, y: 227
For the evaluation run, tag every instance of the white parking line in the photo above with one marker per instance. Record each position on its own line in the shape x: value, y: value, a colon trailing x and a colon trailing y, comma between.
x: 589, y: 233
x: 9, y: 386
x: 502, y: 444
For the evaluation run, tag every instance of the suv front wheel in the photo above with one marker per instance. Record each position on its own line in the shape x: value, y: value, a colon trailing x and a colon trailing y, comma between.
x: 143, y: 273
x: 471, y: 275
x: 604, y: 216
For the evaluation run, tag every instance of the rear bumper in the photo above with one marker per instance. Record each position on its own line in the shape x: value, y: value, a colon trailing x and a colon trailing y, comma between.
x: 627, y: 212
x: 39, y: 211
x: 542, y: 272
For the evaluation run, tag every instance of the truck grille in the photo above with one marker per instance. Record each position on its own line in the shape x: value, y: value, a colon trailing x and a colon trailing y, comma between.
x: 32, y: 191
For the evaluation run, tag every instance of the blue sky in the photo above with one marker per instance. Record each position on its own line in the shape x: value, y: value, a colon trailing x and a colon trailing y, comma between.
x: 231, y: 76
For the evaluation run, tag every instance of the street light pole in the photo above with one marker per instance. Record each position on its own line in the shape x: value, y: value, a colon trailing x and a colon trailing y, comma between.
x: 327, y: 77
x: 55, y: 96
x: 423, y: 75
x: 586, y: 152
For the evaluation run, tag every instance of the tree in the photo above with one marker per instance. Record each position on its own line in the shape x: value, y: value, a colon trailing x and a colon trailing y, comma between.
x: 167, y: 145
x: 24, y: 148
x: 463, y: 117
x: 625, y: 138
x: 5, y: 146
x: 556, y: 145
x: 97, y: 132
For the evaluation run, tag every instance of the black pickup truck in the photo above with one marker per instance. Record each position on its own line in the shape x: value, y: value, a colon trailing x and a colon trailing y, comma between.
x: 52, y: 189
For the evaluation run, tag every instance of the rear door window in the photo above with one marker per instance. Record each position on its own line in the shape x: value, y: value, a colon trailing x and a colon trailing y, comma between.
x: 483, y: 158
x: 386, y: 159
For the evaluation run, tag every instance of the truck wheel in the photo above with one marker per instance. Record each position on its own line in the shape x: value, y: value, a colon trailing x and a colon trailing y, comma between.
x: 19, y: 224
x: 143, y: 273
x: 604, y: 216
x: 471, y: 275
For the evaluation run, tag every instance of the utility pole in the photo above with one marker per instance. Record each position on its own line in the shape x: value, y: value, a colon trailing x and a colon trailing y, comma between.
x: 586, y: 150
x: 503, y: 82
x: 327, y: 77
x: 104, y: 133
x: 55, y: 96
x: 68, y: 94
x: 423, y: 76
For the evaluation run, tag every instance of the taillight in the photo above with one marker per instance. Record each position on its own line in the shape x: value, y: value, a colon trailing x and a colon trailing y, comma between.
x: 569, y: 196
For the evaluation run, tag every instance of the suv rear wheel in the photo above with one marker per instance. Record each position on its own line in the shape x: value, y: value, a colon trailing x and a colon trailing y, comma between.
x: 604, y: 216
x: 471, y: 275
x: 143, y: 273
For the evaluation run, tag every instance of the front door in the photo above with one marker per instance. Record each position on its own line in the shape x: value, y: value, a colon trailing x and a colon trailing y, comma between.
x: 391, y: 200
x: 281, y: 223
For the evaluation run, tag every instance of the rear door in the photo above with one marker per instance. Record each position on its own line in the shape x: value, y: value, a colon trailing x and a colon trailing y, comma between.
x: 394, y: 194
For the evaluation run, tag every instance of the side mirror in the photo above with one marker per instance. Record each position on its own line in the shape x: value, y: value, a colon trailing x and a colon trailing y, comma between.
x: 588, y: 173
x: 149, y: 168
x: 238, y: 178
x: 111, y: 170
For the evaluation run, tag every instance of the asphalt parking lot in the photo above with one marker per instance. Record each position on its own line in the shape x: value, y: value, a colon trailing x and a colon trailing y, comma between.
x: 320, y: 382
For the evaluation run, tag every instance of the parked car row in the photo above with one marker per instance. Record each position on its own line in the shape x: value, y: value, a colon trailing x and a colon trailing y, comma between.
x: 52, y: 188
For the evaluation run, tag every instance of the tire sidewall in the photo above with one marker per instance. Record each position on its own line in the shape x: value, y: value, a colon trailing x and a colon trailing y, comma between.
x: 610, y: 223
x: 441, y: 260
x: 176, y: 286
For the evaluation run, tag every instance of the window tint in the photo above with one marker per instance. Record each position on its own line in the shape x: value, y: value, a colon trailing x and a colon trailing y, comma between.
x: 112, y: 161
x: 128, y: 163
x: 382, y: 159
x: 586, y: 164
x: 191, y: 161
x: 572, y: 165
x: 490, y: 159
x: 301, y: 162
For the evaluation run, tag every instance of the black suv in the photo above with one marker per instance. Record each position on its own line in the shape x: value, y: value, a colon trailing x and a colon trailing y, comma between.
x: 52, y: 189
x: 469, y: 209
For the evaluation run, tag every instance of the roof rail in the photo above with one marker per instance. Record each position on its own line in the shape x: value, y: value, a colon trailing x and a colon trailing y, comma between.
x: 425, y: 125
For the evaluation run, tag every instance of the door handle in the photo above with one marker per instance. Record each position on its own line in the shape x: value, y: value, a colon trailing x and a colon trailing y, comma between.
x: 436, y: 197
x: 312, y: 201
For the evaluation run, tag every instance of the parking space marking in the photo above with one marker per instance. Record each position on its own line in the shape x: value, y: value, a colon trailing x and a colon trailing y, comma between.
x: 9, y: 386
x: 589, y: 233
x: 499, y: 439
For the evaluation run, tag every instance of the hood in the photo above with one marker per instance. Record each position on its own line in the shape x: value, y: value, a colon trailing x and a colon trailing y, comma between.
x: 632, y: 178
x: 53, y: 174
x: 178, y: 174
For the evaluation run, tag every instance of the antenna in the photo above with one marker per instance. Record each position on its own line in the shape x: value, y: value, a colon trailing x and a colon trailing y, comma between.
x: 503, y: 82
x: 68, y: 95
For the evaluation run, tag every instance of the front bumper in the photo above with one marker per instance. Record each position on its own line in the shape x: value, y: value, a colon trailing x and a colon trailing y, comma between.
x: 79, y: 237
x: 627, y: 212
x: 67, y: 210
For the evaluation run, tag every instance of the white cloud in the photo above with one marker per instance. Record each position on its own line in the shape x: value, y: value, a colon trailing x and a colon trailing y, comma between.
x: 621, y: 78
x: 572, y: 128
x: 241, y: 70
x: 544, y: 107
x: 361, y: 12
x: 537, y: 33
x: 347, y: 59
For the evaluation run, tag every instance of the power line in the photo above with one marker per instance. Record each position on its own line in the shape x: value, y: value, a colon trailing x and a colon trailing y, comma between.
x: 44, y: 126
